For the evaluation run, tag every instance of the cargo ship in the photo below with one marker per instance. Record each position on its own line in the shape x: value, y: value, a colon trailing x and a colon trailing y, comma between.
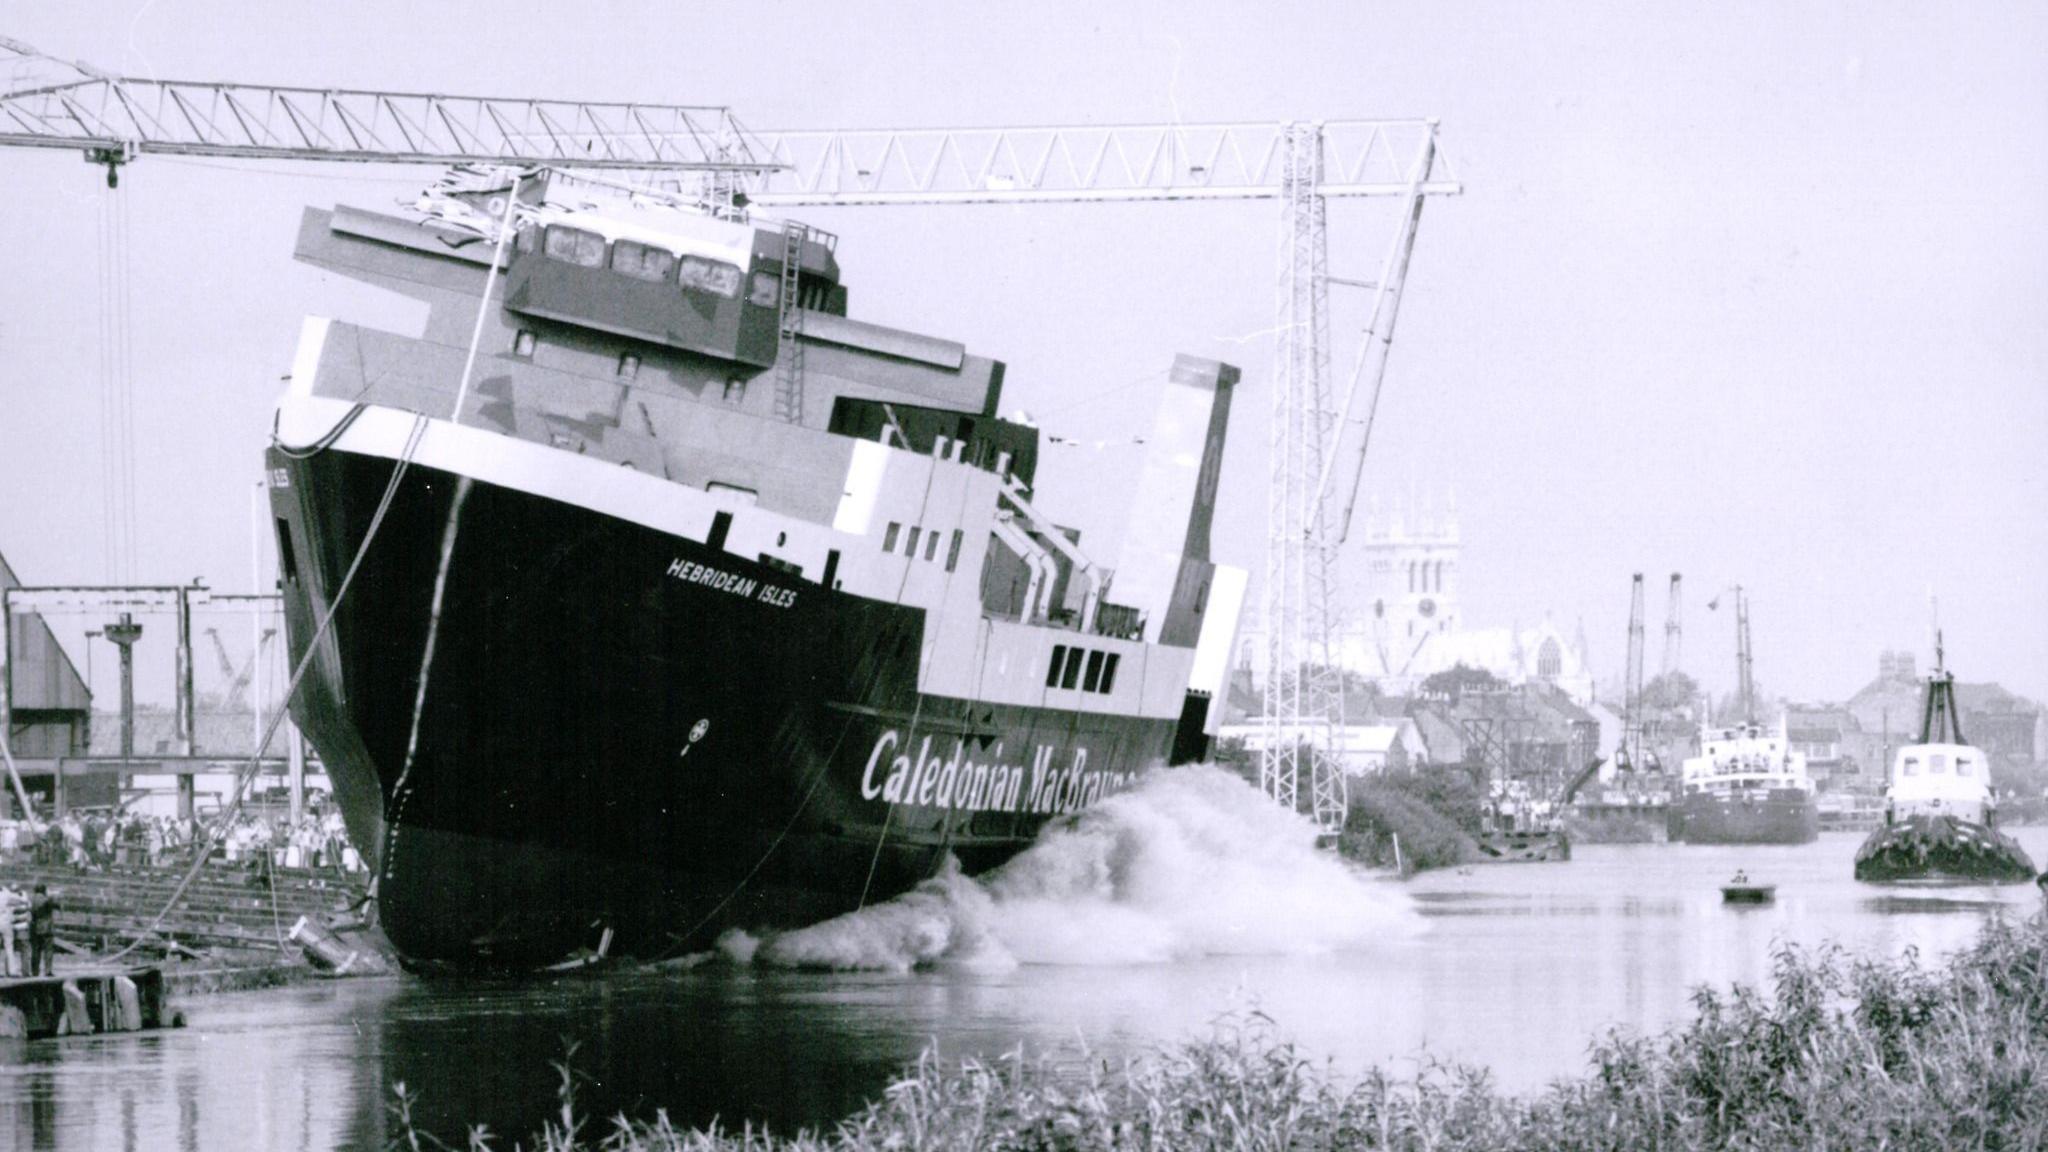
x: 1745, y: 787
x: 649, y: 594
x: 1940, y: 821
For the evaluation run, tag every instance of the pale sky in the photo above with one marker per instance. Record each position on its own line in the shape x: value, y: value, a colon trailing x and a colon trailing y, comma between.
x: 1751, y: 291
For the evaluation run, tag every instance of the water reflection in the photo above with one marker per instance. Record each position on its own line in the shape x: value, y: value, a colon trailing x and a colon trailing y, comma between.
x: 1520, y: 966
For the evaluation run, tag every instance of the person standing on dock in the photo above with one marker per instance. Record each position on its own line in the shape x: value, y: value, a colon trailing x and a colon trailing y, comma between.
x: 13, y: 908
x: 42, y: 932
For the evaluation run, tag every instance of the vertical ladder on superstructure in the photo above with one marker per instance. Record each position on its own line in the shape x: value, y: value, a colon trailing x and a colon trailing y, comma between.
x: 789, y: 363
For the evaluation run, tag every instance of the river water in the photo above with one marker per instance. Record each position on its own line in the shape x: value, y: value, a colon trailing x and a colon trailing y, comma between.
x: 1124, y: 932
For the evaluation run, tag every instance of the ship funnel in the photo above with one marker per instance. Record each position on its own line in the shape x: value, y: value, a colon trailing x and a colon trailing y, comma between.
x: 1163, y: 570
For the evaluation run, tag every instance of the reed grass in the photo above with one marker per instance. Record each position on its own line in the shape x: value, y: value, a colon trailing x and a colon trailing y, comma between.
x: 1840, y: 1053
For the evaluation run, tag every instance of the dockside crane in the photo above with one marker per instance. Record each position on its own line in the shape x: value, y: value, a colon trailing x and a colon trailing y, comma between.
x: 1745, y: 683
x: 1673, y: 636
x: 237, y: 681
x: 1319, y: 433
x: 1630, y: 755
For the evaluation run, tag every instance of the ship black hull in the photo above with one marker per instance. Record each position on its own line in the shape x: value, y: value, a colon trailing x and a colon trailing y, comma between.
x: 1779, y: 816
x: 610, y: 745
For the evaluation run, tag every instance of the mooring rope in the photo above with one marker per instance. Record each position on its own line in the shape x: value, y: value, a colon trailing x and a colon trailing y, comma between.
x: 419, y: 702
x: 205, y: 845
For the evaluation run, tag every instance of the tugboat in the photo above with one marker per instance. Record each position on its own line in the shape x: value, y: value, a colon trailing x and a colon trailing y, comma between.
x: 1939, y: 820
x: 1746, y: 786
x: 645, y: 592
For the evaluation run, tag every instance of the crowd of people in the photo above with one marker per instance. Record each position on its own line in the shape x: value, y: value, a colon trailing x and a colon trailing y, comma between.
x: 96, y: 840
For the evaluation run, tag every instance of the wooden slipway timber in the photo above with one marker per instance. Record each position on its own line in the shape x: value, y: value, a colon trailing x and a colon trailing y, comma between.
x: 82, y: 1003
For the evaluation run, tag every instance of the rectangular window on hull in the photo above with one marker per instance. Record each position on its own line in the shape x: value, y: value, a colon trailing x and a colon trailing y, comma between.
x: 1059, y: 660
x: 953, y: 552
x: 889, y: 536
x: 910, y: 549
x: 287, y: 559
x: 931, y: 546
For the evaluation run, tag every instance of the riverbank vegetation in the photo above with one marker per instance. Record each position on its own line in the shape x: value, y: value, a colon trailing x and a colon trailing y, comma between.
x: 1433, y: 813
x: 1841, y: 1054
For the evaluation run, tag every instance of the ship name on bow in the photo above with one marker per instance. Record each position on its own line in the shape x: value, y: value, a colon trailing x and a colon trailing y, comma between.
x: 936, y: 780
x: 690, y: 572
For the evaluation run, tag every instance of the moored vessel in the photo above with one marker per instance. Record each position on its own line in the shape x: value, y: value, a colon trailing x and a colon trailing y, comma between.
x: 1940, y: 816
x: 648, y: 594
x: 1746, y: 786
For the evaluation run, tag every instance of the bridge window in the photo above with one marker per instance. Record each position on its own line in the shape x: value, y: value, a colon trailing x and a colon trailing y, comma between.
x: 1963, y: 766
x: 953, y: 551
x: 910, y: 549
x: 575, y: 246
x: 889, y: 536
x: 1109, y: 673
x: 1071, y: 675
x: 700, y: 275
x: 931, y: 545
x: 1093, y: 678
x: 767, y: 291
x: 641, y: 261
x: 1059, y: 661
x: 1912, y: 765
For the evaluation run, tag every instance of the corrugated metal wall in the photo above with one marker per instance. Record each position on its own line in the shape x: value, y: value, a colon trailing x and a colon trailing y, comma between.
x: 41, y: 674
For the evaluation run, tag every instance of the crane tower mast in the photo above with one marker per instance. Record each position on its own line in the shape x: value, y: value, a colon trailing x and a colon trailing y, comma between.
x: 1673, y: 636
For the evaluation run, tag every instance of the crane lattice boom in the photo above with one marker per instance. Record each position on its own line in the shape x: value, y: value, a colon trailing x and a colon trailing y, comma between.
x: 49, y: 103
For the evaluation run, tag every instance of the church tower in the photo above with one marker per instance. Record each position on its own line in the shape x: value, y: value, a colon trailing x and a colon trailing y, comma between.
x: 1411, y: 586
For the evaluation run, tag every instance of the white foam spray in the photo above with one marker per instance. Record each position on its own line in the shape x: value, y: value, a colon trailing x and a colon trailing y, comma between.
x: 1190, y: 862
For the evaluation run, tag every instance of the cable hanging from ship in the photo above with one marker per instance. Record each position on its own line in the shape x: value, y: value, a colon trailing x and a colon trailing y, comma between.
x: 214, y: 833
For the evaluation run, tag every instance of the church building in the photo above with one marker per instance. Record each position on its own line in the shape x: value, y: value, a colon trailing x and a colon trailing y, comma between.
x: 1405, y: 621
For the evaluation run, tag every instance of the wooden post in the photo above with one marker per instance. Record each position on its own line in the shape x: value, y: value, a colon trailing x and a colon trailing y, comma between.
x: 184, y: 702
x: 295, y: 752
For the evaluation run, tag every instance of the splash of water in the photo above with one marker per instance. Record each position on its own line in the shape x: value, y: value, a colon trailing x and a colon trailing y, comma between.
x: 1191, y: 862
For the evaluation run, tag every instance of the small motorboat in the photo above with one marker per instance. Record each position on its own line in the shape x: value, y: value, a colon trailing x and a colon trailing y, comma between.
x: 1741, y: 890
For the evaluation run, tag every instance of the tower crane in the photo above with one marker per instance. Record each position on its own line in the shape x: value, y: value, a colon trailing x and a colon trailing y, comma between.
x: 1321, y: 427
